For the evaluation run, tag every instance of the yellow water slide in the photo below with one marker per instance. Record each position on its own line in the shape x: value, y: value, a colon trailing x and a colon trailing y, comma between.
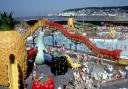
x: 71, y: 63
x: 13, y: 74
x: 33, y: 28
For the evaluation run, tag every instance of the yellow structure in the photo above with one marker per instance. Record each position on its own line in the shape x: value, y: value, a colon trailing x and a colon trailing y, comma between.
x: 33, y: 28
x: 72, y: 64
x: 12, y: 42
x: 112, y: 32
x: 71, y: 23
x: 13, y: 73
x: 123, y: 61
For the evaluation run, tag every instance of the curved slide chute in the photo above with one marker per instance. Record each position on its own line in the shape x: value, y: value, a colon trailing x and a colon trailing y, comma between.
x: 110, y: 54
x: 33, y: 28
x: 13, y: 75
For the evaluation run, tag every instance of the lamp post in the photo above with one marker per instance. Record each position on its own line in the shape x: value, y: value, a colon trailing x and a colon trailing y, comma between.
x: 52, y: 37
x: 70, y: 45
x: 83, y: 17
x: 33, y: 41
x: 76, y: 46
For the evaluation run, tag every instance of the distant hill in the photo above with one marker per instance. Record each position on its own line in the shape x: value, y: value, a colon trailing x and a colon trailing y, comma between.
x: 101, y: 8
x: 96, y: 11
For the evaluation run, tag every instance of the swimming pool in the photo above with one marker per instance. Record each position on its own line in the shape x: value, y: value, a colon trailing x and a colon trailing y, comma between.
x: 60, y: 39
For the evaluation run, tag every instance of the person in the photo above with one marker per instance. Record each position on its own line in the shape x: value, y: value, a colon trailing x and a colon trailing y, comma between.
x: 99, y: 60
x: 87, y: 69
x: 34, y: 66
x: 66, y: 86
x: 88, y: 57
x: 85, y: 57
x: 126, y: 69
x: 104, y: 76
x: 110, y: 76
x: 62, y: 50
x: 59, y: 87
x: 83, y: 74
x: 122, y: 73
x: 56, y: 43
x: 90, y: 83
x: 110, y: 68
x: 118, y: 76
x: 34, y: 74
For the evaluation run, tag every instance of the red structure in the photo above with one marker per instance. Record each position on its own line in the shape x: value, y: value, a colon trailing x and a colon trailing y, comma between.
x: 32, y: 52
x: 47, y: 83
x: 112, y: 54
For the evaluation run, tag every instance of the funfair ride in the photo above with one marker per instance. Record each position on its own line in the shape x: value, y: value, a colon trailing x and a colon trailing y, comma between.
x: 100, y: 52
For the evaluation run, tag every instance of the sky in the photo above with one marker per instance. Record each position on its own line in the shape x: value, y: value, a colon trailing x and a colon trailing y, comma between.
x: 22, y: 8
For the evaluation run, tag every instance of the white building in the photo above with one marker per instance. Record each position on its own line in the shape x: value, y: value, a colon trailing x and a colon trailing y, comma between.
x: 67, y: 14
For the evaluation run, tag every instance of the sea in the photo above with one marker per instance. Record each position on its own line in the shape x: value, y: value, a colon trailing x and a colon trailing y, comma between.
x: 80, y: 18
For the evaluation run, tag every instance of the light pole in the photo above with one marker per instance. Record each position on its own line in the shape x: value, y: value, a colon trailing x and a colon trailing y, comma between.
x: 33, y: 41
x: 83, y: 18
x: 70, y: 45
x: 75, y: 46
x: 52, y: 37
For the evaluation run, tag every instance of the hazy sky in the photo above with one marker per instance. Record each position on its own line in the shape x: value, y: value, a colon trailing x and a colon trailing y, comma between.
x: 43, y: 7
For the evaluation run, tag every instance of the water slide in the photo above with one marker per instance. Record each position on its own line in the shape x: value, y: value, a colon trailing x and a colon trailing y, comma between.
x: 13, y: 75
x: 33, y: 28
x: 110, y: 54
x: 72, y: 64
x: 106, y: 53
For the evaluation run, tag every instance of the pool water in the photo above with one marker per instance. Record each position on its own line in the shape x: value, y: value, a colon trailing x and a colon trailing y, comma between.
x: 60, y: 39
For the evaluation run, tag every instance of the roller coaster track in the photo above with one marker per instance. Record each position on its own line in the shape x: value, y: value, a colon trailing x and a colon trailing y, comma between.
x: 105, y: 53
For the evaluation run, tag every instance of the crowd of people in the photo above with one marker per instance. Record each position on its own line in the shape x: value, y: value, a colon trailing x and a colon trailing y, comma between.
x: 85, y: 77
x: 107, y: 27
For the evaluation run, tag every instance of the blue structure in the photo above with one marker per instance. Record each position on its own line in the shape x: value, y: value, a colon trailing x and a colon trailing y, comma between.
x: 41, y: 48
